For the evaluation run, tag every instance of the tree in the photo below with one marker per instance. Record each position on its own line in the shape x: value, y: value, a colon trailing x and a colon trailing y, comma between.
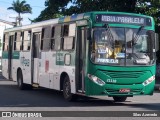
x: 80, y: 6
x: 21, y: 8
x: 151, y: 8
x: 57, y: 8
x: 146, y: 7
x: 54, y: 9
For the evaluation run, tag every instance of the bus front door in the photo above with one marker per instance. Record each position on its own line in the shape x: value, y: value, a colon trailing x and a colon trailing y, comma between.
x: 35, y: 58
x: 80, y: 58
x: 10, y: 50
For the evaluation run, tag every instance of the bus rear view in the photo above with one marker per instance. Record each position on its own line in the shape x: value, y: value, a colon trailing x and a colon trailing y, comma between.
x: 121, y: 56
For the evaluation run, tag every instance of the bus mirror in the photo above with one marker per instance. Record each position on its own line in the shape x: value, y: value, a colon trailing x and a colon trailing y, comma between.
x: 156, y: 42
x: 88, y: 33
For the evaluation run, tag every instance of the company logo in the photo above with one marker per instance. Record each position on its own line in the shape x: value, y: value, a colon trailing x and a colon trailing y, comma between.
x: 6, y: 114
x: 21, y: 114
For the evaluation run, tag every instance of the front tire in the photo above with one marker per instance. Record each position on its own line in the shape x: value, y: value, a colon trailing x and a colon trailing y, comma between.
x: 67, y: 90
x: 119, y: 99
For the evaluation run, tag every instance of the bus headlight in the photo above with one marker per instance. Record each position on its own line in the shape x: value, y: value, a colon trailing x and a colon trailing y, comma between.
x: 149, y: 80
x: 96, y: 80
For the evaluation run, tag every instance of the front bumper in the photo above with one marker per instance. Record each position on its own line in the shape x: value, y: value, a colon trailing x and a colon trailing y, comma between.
x: 113, y: 89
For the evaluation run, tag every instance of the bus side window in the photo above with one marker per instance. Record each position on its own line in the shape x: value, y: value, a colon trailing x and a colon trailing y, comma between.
x: 5, y: 42
x: 45, y: 41
x: 69, y: 37
x: 53, y: 38
x: 42, y: 36
x: 66, y: 30
x: 27, y: 40
x: 57, y: 37
x: 21, y: 40
x: 18, y: 41
x: 15, y: 41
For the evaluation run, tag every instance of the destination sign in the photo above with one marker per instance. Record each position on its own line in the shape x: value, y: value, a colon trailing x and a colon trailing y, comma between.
x: 101, y: 60
x: 123, y: 19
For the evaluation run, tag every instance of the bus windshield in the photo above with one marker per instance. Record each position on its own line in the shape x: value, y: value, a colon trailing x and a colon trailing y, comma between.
x: 122, y: 46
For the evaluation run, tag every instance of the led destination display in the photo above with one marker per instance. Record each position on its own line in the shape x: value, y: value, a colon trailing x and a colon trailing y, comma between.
x: 123, y: 19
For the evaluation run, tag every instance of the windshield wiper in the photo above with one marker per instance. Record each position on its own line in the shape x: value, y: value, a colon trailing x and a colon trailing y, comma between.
x: 135, y: 39
x: 111, y: 38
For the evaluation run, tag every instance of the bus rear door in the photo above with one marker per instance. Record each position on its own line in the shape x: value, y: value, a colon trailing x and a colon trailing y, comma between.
x: 10, y: 51
x: 35, y: 57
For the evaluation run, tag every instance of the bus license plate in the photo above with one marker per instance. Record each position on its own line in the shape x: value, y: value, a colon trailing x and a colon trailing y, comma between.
x: 124, y: 90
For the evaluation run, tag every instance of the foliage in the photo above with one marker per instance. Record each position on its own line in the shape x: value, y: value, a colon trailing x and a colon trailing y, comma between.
x: 54, y: 9
x: 57, y: 8
x: 149, y: 7
x: 80, y: 6
x: 21, y: 8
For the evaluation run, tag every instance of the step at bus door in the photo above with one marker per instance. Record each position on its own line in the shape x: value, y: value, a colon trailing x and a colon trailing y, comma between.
x: 10, y: 51
x: 35, y: 57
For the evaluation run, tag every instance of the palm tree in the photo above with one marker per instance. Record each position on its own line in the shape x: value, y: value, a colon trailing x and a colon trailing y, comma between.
x: 21, y: 8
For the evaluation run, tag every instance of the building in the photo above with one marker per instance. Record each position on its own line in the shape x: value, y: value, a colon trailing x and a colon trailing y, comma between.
x: 3, y: 25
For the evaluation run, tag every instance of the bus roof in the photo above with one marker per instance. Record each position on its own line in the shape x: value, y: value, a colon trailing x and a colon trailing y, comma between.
x: 68, y: 19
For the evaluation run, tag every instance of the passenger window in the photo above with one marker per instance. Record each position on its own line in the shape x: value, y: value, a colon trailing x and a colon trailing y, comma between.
x: 27, y: 40
x: 18, y: 41
x: 72, y: 30
x: 5, y: 42
x: 46, y: 38
x: 66, y: 30
x: 53, y: 39
x: 68, y: 43
x: 57, y: 37
x: 69, y: 37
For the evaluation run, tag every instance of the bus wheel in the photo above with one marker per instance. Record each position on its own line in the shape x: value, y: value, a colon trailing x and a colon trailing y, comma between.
x: 20, y: 80
x: 21, y: 85
x: 67, y: 90
x: 119, y: 99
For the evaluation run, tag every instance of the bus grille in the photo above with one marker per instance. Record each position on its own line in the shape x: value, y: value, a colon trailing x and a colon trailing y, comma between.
x: 125, y: 74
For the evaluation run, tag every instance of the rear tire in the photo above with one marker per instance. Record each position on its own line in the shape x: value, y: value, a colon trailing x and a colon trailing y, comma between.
x: 21, y: 85
x: 119, y: 99
x: 67, y: 90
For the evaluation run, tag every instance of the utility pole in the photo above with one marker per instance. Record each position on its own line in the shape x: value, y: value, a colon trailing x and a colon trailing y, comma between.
x: 17, y: 21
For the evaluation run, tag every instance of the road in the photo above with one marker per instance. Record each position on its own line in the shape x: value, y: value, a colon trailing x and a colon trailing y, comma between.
x: 13, y: 99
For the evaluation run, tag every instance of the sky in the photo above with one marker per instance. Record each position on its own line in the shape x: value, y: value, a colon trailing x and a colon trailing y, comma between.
x: 9, y: 15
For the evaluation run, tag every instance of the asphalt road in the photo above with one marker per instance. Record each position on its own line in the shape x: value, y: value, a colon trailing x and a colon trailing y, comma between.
x: 13, y: 99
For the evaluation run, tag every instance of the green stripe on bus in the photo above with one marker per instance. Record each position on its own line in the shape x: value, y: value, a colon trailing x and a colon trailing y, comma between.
x: 15, y: 55
x: 59, y: 59
x: 4, y: 55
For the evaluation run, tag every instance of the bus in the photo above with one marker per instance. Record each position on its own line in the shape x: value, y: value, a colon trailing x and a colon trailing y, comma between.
x: 97, y: 53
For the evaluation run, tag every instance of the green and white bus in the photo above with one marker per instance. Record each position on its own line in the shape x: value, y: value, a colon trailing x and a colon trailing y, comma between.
x: 95, y: 53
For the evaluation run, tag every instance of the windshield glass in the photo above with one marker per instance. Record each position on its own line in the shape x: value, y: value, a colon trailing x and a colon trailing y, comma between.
x: 122, y: 46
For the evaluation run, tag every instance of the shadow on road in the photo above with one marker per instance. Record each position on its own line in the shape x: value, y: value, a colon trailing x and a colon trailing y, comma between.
x: 147, y: 106
x: 11, y: 96
x: 1, y: 77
